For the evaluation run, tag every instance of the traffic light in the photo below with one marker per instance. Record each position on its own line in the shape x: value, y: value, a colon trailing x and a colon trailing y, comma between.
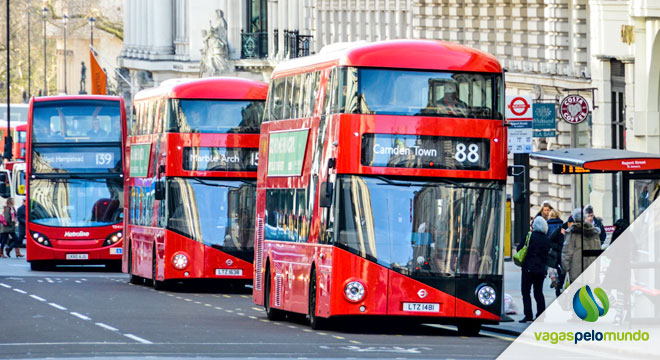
x: 8, y: 148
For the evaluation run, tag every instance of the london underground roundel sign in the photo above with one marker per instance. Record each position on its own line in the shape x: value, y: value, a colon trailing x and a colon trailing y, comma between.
x: 574, y: 109
x: 519, y: 106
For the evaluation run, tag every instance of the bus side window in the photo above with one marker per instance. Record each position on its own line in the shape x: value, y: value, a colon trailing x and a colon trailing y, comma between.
x: 286, y: 98
x: 314, y: 93
x: 328, y: 92
x: 277, y: 104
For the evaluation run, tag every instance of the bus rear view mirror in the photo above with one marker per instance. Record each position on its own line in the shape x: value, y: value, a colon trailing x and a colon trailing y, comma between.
x: 325, y: 195
x: 160, y: 190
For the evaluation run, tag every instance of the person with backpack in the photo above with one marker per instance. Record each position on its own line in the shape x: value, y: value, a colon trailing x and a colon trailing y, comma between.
x: 8, y: 231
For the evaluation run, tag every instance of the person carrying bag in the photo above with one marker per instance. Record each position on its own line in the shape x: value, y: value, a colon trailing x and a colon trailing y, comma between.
x: 521, y: 253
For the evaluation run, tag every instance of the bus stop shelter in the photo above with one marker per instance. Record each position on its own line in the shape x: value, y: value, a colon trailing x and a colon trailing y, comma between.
x: 579, y: 161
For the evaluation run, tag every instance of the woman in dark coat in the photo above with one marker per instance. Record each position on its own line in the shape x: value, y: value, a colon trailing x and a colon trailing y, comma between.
x: 534, y: 268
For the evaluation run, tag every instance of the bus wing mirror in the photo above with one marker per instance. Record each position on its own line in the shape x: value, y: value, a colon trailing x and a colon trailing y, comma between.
x: 160, y: 190
x: 325, y: 195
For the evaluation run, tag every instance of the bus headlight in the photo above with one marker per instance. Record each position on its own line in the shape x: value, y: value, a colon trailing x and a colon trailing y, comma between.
x: 486, y: 295
x: 41, y: 239
x: 354, y: 291
x: 112, y: 238
x: 180, y: 261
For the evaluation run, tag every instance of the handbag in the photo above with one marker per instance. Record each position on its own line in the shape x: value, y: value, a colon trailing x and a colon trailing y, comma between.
x: 519, y: 257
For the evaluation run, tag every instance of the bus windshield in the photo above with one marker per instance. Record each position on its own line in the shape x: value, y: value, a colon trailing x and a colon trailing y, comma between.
x: 216, y: 116
x: 76, y: 121
x: 421, y: 228
x: 76, y: 202
x: 215, y: 212
x: 421, y: 93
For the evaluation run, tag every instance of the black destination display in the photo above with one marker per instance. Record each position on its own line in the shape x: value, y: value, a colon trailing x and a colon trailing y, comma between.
x: 425, y: 152
x: 76, y: 159
x: 220, y: 159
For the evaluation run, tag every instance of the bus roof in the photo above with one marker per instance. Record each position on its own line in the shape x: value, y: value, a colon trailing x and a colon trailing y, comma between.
x: 230, y: 88
x: 76, y: 97
x: 402, y: 54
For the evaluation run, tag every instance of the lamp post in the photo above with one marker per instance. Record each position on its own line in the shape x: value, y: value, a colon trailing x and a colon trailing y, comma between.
x: 65, y: 19
x: 44, y: 13
x: 91, y: 29
x: 29, y: 57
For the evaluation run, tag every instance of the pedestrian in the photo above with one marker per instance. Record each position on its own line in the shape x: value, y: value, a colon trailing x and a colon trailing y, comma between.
x: 619, y: 227
x: 8, y: 233
x: 556, y: 236
x: 534, y: 268
x: 545, y: 210
x: 578, y: 233
x: 596, y: 222
x: 20, y: 216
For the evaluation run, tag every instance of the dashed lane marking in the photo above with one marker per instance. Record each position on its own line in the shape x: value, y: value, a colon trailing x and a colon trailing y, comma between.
x: 241, y: 314
x: 57, y: 306
x: 5, y: 286
x: 227, y: 296
x: 81, y: 316
x: 107, y: 327
x: 37, y: 297
x: 252, y: 317
x: 354, y: 342
x: 20, y: 291
x: 338, y: 337
x: 138, y: 339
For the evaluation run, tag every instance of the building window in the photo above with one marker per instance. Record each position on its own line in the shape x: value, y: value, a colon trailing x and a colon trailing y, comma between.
x: 254, y: 37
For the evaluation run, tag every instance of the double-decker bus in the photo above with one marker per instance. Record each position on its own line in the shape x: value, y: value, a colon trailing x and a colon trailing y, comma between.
x: 20, y: 141
x: 380, y: 187
x: 74, y: 188
x: 190, y: 189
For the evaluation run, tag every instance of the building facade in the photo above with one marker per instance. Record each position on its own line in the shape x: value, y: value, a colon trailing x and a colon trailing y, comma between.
x: 607, y: 51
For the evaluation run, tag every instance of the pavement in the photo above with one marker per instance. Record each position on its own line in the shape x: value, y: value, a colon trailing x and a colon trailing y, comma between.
x: 512, y: 275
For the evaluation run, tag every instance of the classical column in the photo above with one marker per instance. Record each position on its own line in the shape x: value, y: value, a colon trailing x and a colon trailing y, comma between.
x: 161, y: 29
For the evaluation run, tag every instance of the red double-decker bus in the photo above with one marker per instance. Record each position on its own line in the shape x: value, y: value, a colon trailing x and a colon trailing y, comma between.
x: 20, y: 141
x: 74, y: 188
x: 190, y: 188
x: 380, y: 187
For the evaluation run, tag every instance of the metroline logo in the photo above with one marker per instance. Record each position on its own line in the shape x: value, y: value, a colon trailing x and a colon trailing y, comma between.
x: 76, y: 233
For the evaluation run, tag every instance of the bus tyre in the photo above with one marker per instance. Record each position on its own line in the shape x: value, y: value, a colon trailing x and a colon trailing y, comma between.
x: 132, y: 278
x: 157, y: 285
x: 271, y: 314
x: 468, y: 328
x: 315, y: 322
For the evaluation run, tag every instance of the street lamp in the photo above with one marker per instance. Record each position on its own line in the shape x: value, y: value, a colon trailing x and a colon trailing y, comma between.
x: 91, y: 29
x: 44, y: 13
x: 65, y: 19
x: 29, y: 58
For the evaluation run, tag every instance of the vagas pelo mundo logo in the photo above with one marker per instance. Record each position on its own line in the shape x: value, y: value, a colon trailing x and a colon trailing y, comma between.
x: 588, y: 309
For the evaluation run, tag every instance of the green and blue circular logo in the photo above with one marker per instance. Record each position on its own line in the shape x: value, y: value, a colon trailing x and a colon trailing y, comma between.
x: 585, y: 305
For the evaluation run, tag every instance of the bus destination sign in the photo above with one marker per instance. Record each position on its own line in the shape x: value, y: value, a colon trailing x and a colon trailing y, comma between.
x: 220, y: 159
x: 56, y: 159
x: 426, y: 152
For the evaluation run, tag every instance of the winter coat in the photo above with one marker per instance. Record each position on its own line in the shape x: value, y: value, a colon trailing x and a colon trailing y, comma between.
x: 10, y: 217
x: 571, y: 254
x: 556, y: 242
x: 537, y: 253
x: 598, y: 224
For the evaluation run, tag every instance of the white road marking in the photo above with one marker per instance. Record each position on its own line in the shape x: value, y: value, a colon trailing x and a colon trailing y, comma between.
x: 138, y: 339
x: 5, y: 285
x: 78, y: 281
x: 78, y: 315
x: 37, y: 297
x: 20, y: 291
x: 57, y: 306
x: 49, y: 280
x: 106, y: 326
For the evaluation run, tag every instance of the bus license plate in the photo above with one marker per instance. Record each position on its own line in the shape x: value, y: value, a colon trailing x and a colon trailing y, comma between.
x: 229, y: 272
x: 421, y: 307
x: 77, y: 256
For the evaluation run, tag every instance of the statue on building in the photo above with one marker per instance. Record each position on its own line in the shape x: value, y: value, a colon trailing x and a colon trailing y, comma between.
x: 83, y: 78
x: 215, y: 54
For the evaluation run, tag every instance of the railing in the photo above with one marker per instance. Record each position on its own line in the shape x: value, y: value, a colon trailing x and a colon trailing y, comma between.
x: 254, y: 45
x: 296, y: 45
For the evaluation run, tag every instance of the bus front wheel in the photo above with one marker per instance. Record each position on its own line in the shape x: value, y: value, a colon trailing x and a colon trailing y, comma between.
x: 271, y: 314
